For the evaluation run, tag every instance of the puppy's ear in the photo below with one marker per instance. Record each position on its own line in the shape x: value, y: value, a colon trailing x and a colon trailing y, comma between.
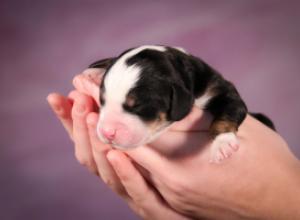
x: 181, y: 103
x: 103, y: 64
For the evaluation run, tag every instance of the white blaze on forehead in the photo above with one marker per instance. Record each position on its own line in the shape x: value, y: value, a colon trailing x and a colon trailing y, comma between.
x: 119, y: 81
x: 121, y: 77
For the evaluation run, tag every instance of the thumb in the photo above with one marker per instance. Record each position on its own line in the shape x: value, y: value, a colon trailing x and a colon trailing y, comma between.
x: 145, y: 201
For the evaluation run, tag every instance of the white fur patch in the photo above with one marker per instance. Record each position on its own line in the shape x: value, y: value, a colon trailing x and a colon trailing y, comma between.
x: 203, y: 100
x: 181, y: 49
x: 119, y: 81
x: 129, y: 129
x: 121, y: 77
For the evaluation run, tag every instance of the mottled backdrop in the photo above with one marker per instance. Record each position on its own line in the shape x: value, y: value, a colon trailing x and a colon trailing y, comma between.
x: 44, y: 43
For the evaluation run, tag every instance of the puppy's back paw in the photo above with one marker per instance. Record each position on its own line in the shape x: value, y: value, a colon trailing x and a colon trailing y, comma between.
x: 223, y: 146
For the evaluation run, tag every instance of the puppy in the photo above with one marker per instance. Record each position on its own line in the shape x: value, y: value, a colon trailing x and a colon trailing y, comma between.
x: 145, y: 89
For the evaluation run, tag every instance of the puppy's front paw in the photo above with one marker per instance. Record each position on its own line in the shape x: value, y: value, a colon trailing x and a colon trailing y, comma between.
x: 223, y: 146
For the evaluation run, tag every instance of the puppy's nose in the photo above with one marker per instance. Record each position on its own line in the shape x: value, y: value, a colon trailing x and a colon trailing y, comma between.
x: 109, y: 133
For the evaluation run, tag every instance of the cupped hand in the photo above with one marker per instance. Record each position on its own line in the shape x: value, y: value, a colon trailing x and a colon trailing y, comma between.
x: 78, y: 114
x: 177, y: 164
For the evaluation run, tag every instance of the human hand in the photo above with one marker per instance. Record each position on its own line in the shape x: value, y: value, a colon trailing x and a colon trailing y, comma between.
x: 257, y: 182
x: 77, y: 113
x: 236, y: 189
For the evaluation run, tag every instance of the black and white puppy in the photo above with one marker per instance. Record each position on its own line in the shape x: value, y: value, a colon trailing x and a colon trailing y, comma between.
x: 145, y: 89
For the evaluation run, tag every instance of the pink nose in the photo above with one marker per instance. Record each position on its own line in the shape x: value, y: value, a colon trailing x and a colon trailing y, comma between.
x: 109, y: 134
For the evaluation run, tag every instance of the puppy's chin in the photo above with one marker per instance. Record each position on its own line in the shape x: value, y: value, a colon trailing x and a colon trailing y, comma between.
x: 125, y: 144
x: 136, y: 132
x: 152, y: 136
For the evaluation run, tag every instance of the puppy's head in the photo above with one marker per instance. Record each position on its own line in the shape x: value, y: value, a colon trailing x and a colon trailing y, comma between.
x: 141, y: 94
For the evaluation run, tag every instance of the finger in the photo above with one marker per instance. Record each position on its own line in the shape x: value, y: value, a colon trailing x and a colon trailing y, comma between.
x: 131, y: 179
x: 88, y: 82
x: 150, y: 159
x: 196, y: 120
x: 74, y: 94
x: 62, y: 107
x: 94, y: 74
x: 82, y: 106
x: 145, y: 200
x: 99, y: 151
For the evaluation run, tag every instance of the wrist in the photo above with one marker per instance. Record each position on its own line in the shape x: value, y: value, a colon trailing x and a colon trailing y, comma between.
x: 272, y: 195
x: 282, y: 197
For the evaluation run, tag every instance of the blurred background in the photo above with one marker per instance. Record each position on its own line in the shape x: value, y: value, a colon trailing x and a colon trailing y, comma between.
x: 255, y: 44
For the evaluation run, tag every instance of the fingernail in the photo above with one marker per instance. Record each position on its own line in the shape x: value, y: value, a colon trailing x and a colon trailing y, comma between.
x: 76, y: 82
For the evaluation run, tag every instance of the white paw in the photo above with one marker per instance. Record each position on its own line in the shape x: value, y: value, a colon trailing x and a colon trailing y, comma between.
x: 223, y: 146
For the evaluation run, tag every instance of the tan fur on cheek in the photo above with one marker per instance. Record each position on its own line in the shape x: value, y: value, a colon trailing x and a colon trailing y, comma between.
x: 159, y: 123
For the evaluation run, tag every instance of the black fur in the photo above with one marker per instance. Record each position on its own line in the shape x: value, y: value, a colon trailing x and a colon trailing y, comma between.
x: 189, y: 78
x: 264, y: 119
x: 170, y: 83
x: 105, y: 63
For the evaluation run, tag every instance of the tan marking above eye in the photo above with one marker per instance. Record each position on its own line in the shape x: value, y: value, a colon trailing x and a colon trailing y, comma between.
x: 130, y: 101
x: 162, y: 116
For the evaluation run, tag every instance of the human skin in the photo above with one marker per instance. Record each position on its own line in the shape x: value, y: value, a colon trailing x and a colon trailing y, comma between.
x: 172, y: 178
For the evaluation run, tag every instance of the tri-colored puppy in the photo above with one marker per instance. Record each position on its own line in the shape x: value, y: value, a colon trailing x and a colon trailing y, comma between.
x: 145, y: 89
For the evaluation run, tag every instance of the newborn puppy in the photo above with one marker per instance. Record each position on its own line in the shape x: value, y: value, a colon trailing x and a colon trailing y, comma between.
x: 145, y: 89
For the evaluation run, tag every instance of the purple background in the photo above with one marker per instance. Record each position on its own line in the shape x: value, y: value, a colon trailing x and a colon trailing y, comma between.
x: 44, y: 44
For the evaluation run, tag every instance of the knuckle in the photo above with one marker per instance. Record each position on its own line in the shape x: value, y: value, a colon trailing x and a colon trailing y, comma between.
x: 71, y: 136
x: 124, y: 178
x: 81, y: 160
x: 137, y: 209
x: 100, y: 148
x: 142, y: 196
x: 94, y: 170
x: 140, y: 199
x: 179, y: 191
x: 92, y: 167
x: 141, y: 212
x: 115, y: 185
x: 109, y: 182
x: 176, y: 186
x: 120, y: 190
